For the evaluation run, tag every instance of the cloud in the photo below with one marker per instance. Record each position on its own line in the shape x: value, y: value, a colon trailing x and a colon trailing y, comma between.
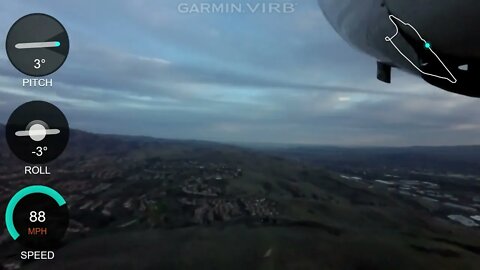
x: 146, y: 69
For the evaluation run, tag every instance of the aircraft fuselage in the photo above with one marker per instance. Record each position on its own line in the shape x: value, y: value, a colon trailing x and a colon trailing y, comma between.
x: 450, y: 27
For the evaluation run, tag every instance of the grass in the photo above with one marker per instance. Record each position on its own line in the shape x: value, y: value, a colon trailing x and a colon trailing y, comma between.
x: 240, y: 247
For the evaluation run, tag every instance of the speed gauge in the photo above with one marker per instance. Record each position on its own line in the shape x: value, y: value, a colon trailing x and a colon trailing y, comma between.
x: 37, y: 217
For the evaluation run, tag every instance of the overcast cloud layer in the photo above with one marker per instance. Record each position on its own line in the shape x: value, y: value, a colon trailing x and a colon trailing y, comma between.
x: 144, y: 68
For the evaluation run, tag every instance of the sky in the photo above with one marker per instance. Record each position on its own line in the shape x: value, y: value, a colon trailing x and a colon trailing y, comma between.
x: 162, y: 69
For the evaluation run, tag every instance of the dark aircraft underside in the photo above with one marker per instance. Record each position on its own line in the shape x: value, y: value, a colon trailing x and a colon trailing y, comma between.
x: 466, y: 71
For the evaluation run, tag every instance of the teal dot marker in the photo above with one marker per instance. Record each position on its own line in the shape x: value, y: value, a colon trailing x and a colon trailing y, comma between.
x: 57, y: 44
x: 427, y: 45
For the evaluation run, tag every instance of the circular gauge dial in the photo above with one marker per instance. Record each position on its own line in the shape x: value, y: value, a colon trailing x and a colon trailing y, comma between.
x: 37, y: 132
x: 37, y: 217
x: 37, y: 45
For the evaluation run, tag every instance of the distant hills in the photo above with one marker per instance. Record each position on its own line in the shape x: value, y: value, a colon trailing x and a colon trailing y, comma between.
x: 325, y: 221
x: 448, y: 159
x: 452, y: 159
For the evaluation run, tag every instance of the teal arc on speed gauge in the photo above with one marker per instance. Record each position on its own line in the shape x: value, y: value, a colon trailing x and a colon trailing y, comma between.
x: 22, y: 194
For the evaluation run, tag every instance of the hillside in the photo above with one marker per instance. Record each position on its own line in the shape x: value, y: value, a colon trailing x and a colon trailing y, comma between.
x: 200, y: 205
